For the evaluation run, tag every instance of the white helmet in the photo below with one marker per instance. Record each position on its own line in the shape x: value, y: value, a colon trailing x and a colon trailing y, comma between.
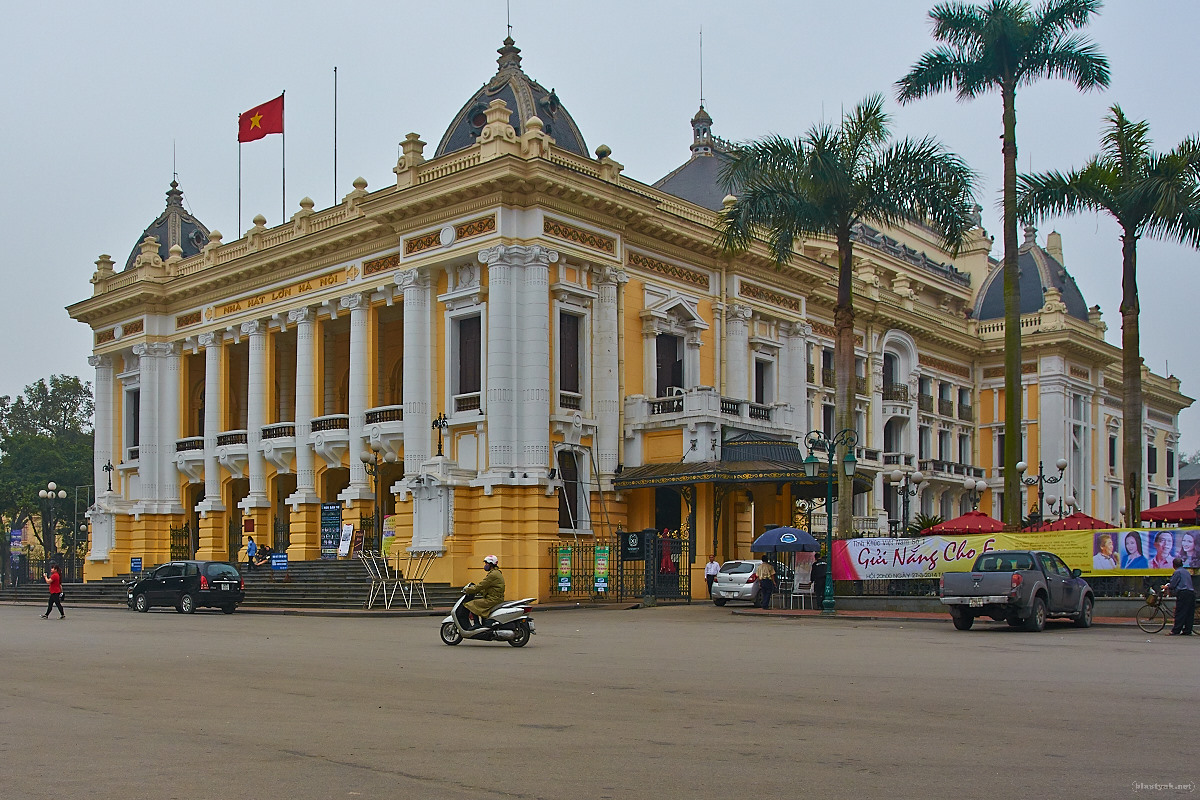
x: 491, y: 560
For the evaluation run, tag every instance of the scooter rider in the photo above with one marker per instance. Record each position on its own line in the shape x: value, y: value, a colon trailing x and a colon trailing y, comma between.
x: 488, y: 593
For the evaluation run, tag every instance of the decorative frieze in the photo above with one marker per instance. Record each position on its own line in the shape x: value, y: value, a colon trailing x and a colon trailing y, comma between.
x: 945, y: 366
x: 831, y: 332
x: 479, y: 226
x: 569, y: 233
x: 998, y: 372
x: 106, y: 336
x: 755, y: 292
x: 698, y: 279
x: 270, y: 296
x: 184, y: 320
x: 136, y: 326
x: 1081, y: 373
x: 380, y: 264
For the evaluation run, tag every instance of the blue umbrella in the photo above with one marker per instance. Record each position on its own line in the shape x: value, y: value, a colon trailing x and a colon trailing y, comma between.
x: 785, y: 540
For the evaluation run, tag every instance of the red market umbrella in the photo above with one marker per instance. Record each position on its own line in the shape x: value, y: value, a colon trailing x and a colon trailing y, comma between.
x: 970, y: 522
x: 1182, y: 510
x: 1078, y: 521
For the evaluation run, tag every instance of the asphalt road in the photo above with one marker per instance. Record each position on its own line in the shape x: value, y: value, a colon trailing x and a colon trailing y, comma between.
x: 686, y: 702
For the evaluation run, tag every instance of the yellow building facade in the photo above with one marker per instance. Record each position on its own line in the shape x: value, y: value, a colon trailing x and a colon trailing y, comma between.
x: 485, y: 346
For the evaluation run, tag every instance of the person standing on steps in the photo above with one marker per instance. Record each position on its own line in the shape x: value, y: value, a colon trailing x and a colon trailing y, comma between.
x: 251, y: 551
x: 54, y: 581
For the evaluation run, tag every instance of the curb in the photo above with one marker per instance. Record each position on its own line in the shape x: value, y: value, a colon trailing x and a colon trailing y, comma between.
x: 867, y: 617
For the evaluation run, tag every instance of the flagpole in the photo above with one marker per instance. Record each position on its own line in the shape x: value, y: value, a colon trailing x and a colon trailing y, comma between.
x: 335, y: 189
x: 283, y: 144
x: 239, y: 217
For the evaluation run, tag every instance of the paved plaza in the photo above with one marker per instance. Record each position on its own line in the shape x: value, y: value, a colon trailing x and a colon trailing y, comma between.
x: 682, y: 702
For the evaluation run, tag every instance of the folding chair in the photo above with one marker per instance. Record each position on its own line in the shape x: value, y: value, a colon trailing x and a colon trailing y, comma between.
x: 802, y: 590
x: 376, y: 587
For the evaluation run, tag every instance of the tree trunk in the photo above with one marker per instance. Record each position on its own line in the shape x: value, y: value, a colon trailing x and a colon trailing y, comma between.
x: 1012, y: 318
x: 843, y: 363
x: 1131, y: 382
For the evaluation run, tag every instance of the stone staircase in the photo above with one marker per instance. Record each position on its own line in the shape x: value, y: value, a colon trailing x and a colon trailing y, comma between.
x: 305, y: 584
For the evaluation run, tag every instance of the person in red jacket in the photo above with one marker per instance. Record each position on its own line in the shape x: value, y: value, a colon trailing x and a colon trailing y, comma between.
x: 54, y: 581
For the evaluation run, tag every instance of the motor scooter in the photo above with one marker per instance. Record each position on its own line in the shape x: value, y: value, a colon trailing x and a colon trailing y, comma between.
x: 507, y: 622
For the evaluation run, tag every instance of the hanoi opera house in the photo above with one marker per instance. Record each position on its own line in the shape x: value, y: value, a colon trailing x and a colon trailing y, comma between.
x: 526, y: 344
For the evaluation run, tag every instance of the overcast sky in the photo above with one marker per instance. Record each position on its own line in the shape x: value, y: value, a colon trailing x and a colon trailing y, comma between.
x: 99, y: 98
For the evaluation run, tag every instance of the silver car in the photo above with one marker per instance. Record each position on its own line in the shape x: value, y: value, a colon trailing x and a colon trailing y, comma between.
x: 736, y: 581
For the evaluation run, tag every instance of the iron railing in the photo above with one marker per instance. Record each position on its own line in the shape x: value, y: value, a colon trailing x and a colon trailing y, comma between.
x: 181, y: 543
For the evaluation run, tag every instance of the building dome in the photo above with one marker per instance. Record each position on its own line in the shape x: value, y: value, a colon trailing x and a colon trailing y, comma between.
x: 698, y: 180
x: 174, y: 226
x: 1039, y: 272
x: 524, y: 96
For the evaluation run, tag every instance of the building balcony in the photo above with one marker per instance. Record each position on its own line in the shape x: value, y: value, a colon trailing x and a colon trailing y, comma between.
x: 384, y: 428
x: 233, y: 451
x: 703, y: 405
x: 331, y: 437
x: 895, y: 392
x: 966, y: 413
x: 570, y: 401
x: 867, y: 526
x: 469, y: 403
x: 898, y: 459
x: 946, y: 408
x: 925, y: 403
x: 828, y: 379
x: 278, y: 445
x: 189, y: 458
x: 937, y: 468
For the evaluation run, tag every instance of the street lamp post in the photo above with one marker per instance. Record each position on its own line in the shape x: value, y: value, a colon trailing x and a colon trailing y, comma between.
x: 48, y: 497
x: 371, y: 462
x: 1057, y: 507
x: 1040, y: 480
x: 907, y: 484
x: 975, y: 488
x: 439, y: 425
x: 108, y: 471
x: 814, y: 439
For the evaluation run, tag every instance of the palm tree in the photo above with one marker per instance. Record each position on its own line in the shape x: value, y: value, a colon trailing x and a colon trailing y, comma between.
x: 1004, y: 45
x: 825, y: 183
x: 1147, y: 194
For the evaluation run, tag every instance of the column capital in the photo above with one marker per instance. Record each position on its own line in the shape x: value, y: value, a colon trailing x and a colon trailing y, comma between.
x: 253, y: 327
x: 411, y: 278
x: 100, y: 362
x: 518, y: 255
x: 141, y: 350
x: 353, y: 302
x: 298, y: 315
x: 211, y: 339
x: 736, y: 312
x: 162, y: 349
x: 610, y: 275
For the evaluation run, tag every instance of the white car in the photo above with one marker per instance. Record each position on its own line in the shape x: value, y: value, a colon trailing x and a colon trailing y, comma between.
x: 736, y: 581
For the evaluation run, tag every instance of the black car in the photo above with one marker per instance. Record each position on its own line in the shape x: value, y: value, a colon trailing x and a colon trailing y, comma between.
x: 188, y: 585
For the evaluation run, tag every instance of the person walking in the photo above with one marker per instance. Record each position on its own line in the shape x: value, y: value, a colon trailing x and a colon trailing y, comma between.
x: 710, y: 572
x: 766, y: 583
x: 54, y: 581
x: 1185, y: 604
x: 251, y: 551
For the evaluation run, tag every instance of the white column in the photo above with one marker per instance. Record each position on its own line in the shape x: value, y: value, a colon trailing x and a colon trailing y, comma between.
x: 148, y: 386
x: 533, y: 364
x: 306, y: 349
x: 256, y: 413
x: 213, y: 397
x: 797, y: 361
x: 418, y: 379
x: 168, y: 412
x: 102, y: 452
x: 501, y: 354
x: 360, y: 487
x: 737, y: 340
x: 605, y: 381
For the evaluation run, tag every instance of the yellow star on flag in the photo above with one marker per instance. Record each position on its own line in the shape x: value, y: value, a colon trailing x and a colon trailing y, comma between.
x: 256, y: 121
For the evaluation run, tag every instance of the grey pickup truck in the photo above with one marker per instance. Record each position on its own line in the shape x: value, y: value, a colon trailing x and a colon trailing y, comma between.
x: 1020, y: 587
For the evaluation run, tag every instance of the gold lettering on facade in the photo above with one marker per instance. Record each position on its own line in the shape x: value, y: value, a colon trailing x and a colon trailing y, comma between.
x: 277, y: 295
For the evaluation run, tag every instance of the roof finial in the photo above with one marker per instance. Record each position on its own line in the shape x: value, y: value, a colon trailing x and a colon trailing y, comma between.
x: 510, y: 55
x: 1030, y: 234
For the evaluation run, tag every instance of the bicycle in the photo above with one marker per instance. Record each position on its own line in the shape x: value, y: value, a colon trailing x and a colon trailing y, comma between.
x: 1156, y: 613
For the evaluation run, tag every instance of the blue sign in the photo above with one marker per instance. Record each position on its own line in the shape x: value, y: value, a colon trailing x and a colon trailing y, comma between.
x: 788, y: 538
x: 278, y: 560
x: 14, y: 550
x: 135, y: 564
x: 601, y: 585
x: 564, y: 583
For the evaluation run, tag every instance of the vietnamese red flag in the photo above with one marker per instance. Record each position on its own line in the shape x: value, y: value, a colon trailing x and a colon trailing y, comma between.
x: 261, y: 121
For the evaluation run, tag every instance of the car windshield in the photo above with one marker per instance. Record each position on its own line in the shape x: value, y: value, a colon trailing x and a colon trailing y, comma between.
x: 1004, y: 562
x: 737, y: 568
x: 221, y: 571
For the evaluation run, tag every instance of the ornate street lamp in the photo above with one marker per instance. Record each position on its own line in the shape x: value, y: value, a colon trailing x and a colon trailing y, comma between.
x: 1059, y: 508
x: 846, y: 438
x: 439, y: 425
x: 373, y: 465
x: 975, y: 487
x: 907, y: 484
x: 1040, y: 480
x: 48, y: 496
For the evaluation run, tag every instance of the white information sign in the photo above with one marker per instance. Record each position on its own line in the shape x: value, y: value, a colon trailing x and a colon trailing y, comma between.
x: 347, y: 537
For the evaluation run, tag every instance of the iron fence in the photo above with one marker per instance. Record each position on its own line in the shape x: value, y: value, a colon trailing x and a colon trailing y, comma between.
x: 371, y: 538
x: 233, y: 540
x: 576, y: 561
x: 281, y: 534
x: 181, y: 543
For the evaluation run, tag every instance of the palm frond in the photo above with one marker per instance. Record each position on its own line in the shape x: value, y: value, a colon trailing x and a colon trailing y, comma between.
x: 1060, y: 16
x: 936, y: 71
x: 957, y: 24
x: 1051, y: 194
x: 1125, y: 143
x: 1072, y: 58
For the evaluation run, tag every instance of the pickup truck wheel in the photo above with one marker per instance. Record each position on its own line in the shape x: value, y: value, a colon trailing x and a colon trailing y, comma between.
x: 1037, y: 617
x: 963, y: 621
x: 1084, y: 618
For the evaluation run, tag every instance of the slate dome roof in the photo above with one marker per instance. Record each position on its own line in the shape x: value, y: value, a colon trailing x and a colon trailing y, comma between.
x: 698, y: 180
x: 524, y: 96
x: 173, y: 226
x: 1039, y: 271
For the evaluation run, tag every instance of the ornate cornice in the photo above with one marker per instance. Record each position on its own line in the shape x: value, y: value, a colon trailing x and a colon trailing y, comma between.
x: 690, y: 276
x: 570, y: 233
